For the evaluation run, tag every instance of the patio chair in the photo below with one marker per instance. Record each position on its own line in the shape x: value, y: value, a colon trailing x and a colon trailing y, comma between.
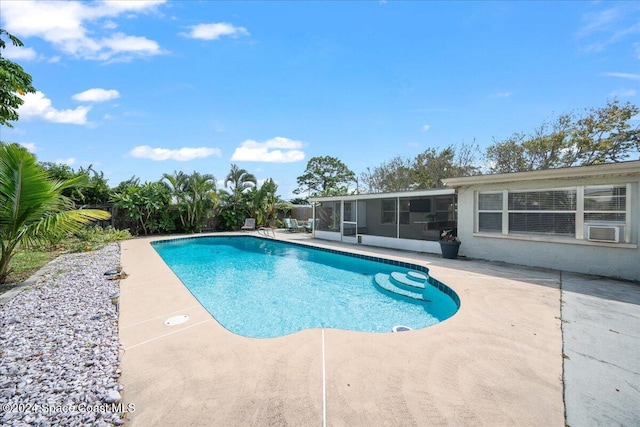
x: 291, y: 224
x: 249, y: 224
x: 310, y: 226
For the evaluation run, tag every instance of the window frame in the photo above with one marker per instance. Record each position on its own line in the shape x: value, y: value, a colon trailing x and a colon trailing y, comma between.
x: 580, y: 212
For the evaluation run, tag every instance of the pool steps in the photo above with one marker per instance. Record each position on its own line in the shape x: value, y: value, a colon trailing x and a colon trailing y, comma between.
x: 411, y: 282
x: 411, y: 285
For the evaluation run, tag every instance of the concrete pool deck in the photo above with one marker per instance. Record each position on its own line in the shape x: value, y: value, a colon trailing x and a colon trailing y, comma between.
x: 498, y: 361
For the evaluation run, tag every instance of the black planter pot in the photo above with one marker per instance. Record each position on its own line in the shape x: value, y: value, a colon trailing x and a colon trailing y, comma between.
x: 449, y: 249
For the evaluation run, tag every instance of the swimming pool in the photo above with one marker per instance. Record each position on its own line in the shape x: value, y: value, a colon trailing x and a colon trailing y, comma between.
x: 263, y: 288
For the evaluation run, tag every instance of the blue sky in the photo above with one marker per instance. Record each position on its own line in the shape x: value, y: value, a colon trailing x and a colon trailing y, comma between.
x: 142, y: 88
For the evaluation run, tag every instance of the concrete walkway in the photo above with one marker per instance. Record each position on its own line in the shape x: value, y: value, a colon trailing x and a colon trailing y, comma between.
x: 601, y: 329
x: 498, y: 361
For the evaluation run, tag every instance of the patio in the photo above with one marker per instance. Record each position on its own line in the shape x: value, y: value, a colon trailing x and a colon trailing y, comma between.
x: 498, y: 361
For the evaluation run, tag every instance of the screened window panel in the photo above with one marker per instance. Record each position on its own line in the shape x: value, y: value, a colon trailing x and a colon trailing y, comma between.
x: 490, y: 201
x: 329, y: 215
x: 490, y: 222
x: 542, y: 223
x: 404, y: 218
x: 388, y: 211
x: 404, y: 211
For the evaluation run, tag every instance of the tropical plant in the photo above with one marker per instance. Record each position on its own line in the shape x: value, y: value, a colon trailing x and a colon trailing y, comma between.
x: 32, y: 206
x: 147, y: 205
x: 264, y: 204
x: 239, y: 180
x: 177, y: 183
x: 14, y: 82
x: 96, y: 191
x: 200, y: 199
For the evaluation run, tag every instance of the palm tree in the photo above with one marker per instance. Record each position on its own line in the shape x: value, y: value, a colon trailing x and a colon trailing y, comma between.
x: 177, y: 184
x: 32, y: 207
x: 201, y: 198
x: 241, y: 180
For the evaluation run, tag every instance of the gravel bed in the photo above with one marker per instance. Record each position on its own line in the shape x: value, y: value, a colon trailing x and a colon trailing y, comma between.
x: 59, y: 349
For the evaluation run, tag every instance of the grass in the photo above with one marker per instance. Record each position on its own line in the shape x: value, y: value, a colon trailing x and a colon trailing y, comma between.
x: 29, y: 260
x: 25, y: 263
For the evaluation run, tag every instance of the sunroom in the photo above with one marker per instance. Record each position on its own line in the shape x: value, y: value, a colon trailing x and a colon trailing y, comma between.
x: 409, y: 220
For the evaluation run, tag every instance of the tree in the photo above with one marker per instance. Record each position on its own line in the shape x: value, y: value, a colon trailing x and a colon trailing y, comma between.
x: 200, y: 199
x: 432, y: 166
x: 394, y: 175
x: 32, y: 205
x: 240, y: 181
x: 299, y: 201
x: 14, y: 81
x: 325, y: 176
x: 134, y: 181
x: 95, y: 192
x: 147, y: 205
x: 264, y: 204
x: 599, y: 135
x: 177, y: 183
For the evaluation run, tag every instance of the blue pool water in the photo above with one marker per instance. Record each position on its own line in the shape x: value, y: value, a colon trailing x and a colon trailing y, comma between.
x: 262, y: 288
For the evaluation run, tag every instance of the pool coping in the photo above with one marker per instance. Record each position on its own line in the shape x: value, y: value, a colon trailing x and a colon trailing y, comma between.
x: 498, y: 360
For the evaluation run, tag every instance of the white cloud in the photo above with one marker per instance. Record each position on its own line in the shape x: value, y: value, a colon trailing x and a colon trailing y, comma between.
x: 110, y: 25
x: 276, y: 150
x: 623, y: 93
x: 426, y: 127
x: 609, y: 26
x: 629, y: 76
x: 19, y: 53
x: 183, y: 154
x: 215, y: 30
x: 30, y: 146
x: 96, y: 95
x: 70, y: 161
x: 501, y: 95
x: 37, y: 105
x: 78, y: 29
x: 599, y: 21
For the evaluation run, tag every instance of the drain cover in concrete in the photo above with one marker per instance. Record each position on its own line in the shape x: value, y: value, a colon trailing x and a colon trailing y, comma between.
x: 176, y: 320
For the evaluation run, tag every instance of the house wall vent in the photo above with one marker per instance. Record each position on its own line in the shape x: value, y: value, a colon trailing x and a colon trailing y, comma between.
x: 603, y: 233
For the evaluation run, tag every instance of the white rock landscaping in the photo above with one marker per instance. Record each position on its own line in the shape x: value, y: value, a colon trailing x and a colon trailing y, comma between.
x: 59, y: 348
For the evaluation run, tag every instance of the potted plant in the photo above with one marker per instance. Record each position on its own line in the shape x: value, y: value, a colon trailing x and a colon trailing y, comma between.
x: 449, y: 244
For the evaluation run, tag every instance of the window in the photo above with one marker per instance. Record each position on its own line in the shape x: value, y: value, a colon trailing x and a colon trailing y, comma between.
x: 388, y: 211
x: 605, y: 203
x: 490, y: 212
x: 542, y: 212
x: 551, y: 211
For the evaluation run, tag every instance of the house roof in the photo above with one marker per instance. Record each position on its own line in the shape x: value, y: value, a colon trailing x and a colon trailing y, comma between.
x: 413, y: 193
x: 604, y: 170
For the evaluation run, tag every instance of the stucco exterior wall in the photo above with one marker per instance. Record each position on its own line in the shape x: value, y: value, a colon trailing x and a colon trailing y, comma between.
x: 582, y: 256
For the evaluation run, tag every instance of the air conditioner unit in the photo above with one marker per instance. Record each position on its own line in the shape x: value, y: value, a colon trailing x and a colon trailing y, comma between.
x: 603, y: 233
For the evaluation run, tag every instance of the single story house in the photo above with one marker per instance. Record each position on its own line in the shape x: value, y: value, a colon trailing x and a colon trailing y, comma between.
x: 583, y: 219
